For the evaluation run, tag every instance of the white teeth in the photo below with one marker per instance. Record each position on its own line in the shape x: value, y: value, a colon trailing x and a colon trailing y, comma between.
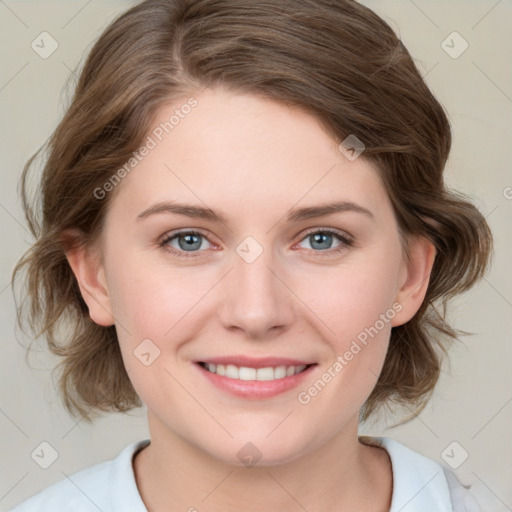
x: 245, y: 373
x: 265, y: 374
x: 231, y: 371
x: 280, y: 372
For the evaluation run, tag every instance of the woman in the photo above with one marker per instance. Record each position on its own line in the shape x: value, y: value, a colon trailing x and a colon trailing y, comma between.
x: 245, y: 221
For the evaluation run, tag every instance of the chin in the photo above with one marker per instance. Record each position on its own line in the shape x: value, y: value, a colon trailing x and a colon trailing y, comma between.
x: 257, y: 451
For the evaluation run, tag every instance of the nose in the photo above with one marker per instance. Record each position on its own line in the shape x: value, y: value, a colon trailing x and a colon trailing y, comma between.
x: 257, y: 299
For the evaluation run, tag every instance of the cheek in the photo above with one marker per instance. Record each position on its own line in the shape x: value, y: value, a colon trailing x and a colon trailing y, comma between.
x: 153, y: 308
x: 152, y: 300
x: 357, y: 304
x: 158, y: 310
x: 358, y: 313
x: 354, y: 299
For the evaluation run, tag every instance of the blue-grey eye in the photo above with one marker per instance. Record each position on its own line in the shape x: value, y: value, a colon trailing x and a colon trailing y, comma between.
x: 187, y: 241
x: 322, y: 240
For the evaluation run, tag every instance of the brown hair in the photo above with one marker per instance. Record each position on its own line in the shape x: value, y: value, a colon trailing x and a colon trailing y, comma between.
x: 338, y: 61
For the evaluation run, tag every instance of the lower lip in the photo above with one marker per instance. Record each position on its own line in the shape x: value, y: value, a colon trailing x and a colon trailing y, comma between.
x: 255, y: 389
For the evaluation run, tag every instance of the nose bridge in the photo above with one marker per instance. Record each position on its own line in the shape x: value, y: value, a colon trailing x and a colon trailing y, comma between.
x: 257, y: 300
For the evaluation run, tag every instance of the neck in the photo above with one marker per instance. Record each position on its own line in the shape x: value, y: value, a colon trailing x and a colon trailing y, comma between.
x: 343, y: 474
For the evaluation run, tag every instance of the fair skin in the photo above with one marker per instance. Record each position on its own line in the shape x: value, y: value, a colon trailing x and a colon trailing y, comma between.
x: 252, y: 160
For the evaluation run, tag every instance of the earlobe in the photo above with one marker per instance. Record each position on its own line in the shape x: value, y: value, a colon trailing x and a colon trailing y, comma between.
x: 90, y: 275
x: 414, y: 278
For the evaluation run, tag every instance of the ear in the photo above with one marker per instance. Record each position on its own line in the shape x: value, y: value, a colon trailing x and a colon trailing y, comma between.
x: 414, y: 278
x: 87, y: 266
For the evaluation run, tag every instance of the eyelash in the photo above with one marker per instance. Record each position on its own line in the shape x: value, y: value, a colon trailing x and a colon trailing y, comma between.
x: 344, y: 239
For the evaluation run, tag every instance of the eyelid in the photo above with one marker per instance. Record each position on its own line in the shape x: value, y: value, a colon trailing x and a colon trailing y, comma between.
x: 342, y: 234
x: 182, y: 231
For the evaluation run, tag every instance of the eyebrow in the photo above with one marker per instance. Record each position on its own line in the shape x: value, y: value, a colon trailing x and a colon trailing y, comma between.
x: 295, y: 215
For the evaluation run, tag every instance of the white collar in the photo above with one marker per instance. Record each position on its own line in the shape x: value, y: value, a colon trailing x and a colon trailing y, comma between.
x: 419, y: 483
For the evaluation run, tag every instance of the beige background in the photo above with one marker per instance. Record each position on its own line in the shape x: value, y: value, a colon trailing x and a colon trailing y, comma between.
x: 473, y: 401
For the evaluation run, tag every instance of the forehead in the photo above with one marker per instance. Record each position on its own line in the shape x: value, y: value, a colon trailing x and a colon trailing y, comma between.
x: 245, y: 154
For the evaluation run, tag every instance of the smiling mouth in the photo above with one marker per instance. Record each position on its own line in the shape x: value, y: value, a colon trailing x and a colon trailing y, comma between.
x: 247, y: 373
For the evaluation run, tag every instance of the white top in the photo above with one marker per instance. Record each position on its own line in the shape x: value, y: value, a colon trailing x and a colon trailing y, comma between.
x: 419, y: 485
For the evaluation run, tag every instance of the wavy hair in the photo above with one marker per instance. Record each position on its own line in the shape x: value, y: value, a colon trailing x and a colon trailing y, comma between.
x: 336, y: 60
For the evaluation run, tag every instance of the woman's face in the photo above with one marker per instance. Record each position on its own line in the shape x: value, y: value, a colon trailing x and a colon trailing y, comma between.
x: 274, y: 288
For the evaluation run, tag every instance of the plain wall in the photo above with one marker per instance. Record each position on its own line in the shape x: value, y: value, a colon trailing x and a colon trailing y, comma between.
x: 473, y: 401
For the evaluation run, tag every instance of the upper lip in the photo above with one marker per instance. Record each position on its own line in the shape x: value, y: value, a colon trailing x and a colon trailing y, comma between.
x: 252, y: 362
